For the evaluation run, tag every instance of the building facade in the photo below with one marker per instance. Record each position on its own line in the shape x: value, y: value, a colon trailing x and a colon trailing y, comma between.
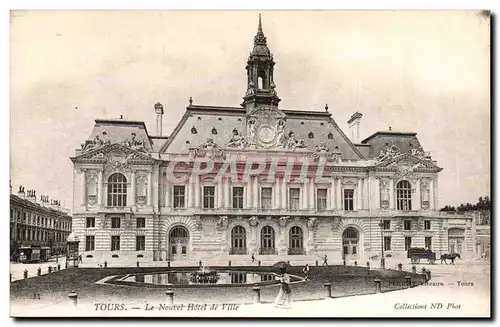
x: 36, y: 222
x: 256, y: 178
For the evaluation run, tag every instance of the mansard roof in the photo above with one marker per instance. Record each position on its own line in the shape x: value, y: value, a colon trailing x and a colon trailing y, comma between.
x: 405, y: 142
x: 202, y: 122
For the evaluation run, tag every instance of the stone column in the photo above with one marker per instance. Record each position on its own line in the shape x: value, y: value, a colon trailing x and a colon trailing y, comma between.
x: 284, y: 202
x: 332, y: 195
x: 168, y: 187
x: 376, y: 193
x: 150, y: 188
x: 431, y: 194
x: 339, y: 193
x: 366, y: 194
x: 255, y: 192
x: 276, y: 193
x: 219, y: 192
x: 249, y: 192
x: 391, y: 193
x: 304, y: 194
x: 358, y: 195
x: 83, y: 189
x: 99, y: 188
x: 436, y: 194
x: 312, y: 190
x: 132, y: 188
x: 227, y: 192
x: 418, y: 200
x: 197, y: 190
x: 190, y: 193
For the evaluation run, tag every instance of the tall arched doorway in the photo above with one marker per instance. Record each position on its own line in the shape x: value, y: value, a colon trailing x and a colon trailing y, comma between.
x: 295, y: 240
x: 350, y: 238
x: 238, y: 240
x: 267, y: 240
x: 456, y: 240
x: 178, y: 241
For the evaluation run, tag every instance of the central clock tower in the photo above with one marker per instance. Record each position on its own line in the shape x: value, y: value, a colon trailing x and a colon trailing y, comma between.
x: 260, y: 67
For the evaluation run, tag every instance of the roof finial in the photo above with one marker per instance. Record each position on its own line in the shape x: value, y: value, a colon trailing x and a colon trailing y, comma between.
x: 260, y: 39
x: 390, y: 128
x: 190, y: 101
x: 326, y: 107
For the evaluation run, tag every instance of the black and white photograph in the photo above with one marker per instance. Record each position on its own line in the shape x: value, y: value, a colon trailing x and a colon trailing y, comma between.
x: 250, y: 163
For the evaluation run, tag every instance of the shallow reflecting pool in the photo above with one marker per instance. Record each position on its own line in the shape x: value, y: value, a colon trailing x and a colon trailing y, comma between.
x: 225, y: 277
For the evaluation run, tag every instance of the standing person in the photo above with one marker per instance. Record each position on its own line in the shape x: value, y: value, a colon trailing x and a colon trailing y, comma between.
x: 253, y: 258
x: 80, y: 259
x: 287, y: 291
x: 306, y: 271
x: 278, y: 302
x: 325, y: 261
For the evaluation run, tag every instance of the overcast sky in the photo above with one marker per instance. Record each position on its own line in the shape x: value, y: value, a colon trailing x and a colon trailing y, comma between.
x: 424, y: 72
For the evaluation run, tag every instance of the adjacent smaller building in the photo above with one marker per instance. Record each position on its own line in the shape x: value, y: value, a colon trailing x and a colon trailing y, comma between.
x: 37, y: 221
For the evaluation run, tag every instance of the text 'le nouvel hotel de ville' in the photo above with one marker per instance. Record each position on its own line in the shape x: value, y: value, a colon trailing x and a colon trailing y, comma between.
x: 139, y: 196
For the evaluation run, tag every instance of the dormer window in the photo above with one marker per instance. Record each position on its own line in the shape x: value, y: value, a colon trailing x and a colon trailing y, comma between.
x: 193, y: 130
x: 214, y: 131
x: 311, y: 135
x: 330, y: 135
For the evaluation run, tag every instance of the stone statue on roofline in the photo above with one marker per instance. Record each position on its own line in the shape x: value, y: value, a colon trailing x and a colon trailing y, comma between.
x: 293, y: 143
x: 421, y: 154
x: 237, y: 140
x: 134, y: 144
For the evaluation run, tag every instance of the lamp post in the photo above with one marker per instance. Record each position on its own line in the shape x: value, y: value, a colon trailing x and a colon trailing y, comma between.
x: 382, y: 259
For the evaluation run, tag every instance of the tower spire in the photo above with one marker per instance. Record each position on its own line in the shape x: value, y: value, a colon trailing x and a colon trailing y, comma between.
x: 260, y: 71
x: 260, y: 39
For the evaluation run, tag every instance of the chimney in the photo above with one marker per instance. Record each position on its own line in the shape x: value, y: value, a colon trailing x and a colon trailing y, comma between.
x: 159, y: 118
x: 354, y: 122
x: 21, y: 193
x: 31, y: 196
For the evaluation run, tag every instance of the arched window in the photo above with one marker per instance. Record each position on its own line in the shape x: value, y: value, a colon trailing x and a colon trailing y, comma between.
x: 403, y: 195
x: 238, y: 240
x: 117, y: 190
x: 267, y: 240
x: 350, y: 238
x: 296, y: 241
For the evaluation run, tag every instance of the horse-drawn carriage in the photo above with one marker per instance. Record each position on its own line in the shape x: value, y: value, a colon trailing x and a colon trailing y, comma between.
x: 415, y: 254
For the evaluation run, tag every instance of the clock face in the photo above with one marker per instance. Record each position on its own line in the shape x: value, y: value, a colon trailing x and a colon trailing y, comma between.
x: 266, y: 134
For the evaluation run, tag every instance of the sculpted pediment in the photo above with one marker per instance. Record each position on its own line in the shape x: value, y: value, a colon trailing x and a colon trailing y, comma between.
x: 116, y: 155
x: 407, y: 160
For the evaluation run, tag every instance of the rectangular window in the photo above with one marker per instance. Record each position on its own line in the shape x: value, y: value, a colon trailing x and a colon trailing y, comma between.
x: 387, y: 225
x: 407, y: 243
x: 294, y: 199
x: 140, y: 243
x: 427, y: 224
x: 209, y: 197
x: 238, y: 197
x: 140, y: 222
x: 387, y: 243
x: 407, y: 225
x: 19, y: 216
x: 266, y: 197
x: 89, y: 243
x: 179, y: 196
x: 321, y: 196
x: 24, y: 217
x: 90, y: 222
x: 349, y: 200
x: 115, y: 243
x: 428, y: 243
x: 115, y: 222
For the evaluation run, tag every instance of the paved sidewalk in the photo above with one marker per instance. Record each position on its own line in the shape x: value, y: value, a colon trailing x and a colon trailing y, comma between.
x: 17, y: 269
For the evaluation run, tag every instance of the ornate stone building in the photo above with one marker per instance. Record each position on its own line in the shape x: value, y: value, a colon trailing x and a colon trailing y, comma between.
x: 309, y: 190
